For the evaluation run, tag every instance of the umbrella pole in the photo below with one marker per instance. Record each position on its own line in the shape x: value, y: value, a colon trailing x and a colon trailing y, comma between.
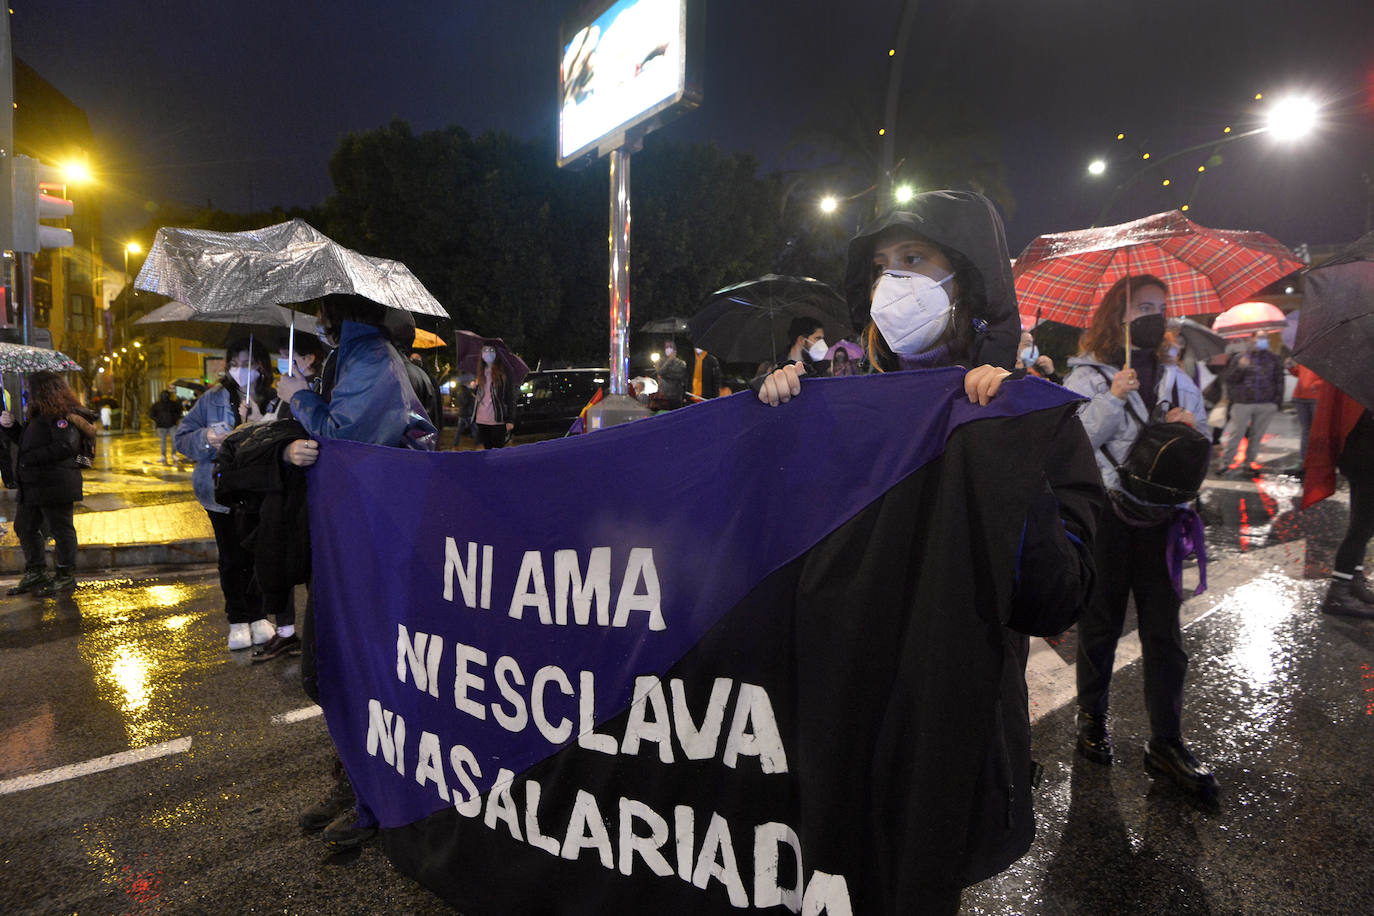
x: 291, y: 349
x: 1126, y: 314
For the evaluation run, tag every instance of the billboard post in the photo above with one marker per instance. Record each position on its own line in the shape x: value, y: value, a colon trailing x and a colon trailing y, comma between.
x: 626, y: 70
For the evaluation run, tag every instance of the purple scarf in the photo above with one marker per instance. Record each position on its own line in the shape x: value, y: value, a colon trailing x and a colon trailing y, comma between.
x: 931, y: 359
x: 1186, y: 538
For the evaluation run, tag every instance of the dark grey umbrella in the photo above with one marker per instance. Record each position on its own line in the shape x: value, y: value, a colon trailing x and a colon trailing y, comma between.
x: 665, y: 326
x: 1202, y: 342
x: 747, y: 322
x: 1335, y: 336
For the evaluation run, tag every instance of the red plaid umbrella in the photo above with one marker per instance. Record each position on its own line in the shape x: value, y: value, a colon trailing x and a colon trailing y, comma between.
x: 1063, y: 276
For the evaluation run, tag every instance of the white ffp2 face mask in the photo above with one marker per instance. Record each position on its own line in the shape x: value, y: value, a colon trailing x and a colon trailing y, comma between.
x: 911, y: 310
x: 243, y: 377
x: 818, y: 349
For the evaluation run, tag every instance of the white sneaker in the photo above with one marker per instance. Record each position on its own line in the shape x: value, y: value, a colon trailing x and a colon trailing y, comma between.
x: 240, y: 636
x: 262, y: 631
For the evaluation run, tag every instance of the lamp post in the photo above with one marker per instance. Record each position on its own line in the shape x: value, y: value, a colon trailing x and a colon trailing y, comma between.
x: 135, y: 249
x: 1288, y: 119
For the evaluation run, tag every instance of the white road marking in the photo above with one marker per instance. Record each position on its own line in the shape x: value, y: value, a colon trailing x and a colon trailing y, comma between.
x: 1052, y: 682
x: 297, y: 715
x: 99, y: 764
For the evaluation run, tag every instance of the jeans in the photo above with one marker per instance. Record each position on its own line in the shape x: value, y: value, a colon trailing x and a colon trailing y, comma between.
x: 164, y: 435
x: 242, y: 599
x: 28, y: 527
x: 1248, y: 421
x: 490, y: 436
x: 1131, y: 561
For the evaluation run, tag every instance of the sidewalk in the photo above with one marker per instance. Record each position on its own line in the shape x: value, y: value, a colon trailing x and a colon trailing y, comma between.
x: 136, y: 511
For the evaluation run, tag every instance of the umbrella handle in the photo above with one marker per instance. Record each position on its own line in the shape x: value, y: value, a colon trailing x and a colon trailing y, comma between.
x: 1126, y: 315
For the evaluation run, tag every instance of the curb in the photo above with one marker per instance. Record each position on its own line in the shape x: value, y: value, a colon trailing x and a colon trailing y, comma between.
x: 116, y: 556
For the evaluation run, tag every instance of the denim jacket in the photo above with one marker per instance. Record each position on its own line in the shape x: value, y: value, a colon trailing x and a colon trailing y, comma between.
x: 214, y: 406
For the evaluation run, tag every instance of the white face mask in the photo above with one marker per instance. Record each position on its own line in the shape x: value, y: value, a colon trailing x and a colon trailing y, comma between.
x: 818, y: 349
x: 243, y: 376
x: 488, y: 356
x: 669, y: 351
x: 911, y: 310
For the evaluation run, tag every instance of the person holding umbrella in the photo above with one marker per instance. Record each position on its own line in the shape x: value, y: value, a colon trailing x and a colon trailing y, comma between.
x: 365, y: 396
x: 49, y: 481
x: 243, y: 394
x: 1134, y: 539
x: 1254, y: 381
x: 671, y: 373
x: 493, y: 402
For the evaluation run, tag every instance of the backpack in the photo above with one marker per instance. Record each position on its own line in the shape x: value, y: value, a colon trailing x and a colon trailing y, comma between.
x: 1167, y: 462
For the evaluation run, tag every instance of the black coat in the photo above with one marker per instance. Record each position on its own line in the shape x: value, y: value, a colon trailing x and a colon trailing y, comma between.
x: 267, y: 498
x: 165, y: 412
x: 47, y: 468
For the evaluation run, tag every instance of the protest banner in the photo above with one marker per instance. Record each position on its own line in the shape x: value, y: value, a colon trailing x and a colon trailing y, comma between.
x: 728, y: 658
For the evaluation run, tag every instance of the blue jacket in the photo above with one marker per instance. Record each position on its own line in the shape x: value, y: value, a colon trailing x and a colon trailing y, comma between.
x: 214, y: 406
x: 1105, y: 418
x: 372, y: 400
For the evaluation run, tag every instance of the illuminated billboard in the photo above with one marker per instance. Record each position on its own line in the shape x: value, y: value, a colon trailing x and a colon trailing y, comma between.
x: 623, y: 67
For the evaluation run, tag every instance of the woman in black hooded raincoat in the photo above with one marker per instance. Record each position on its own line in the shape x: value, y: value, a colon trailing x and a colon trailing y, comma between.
x: 933, y: 283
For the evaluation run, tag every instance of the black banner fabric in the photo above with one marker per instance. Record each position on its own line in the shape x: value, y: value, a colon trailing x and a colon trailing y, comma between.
x: 831, y: 743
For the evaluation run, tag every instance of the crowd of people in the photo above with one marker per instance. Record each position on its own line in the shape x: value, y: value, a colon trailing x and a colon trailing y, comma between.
x: 931, y: 286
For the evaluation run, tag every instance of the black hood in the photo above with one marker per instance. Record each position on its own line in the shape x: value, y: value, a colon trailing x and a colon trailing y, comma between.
x: 959, y: 221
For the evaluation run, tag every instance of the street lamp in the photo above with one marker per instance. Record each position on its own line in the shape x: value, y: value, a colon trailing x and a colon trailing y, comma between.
x: 829, y: 203
x: 904, y: 193
x: 1097, y: 167
x: 135, y: 249
x: 1292, y: 118
x: 1287, y: 119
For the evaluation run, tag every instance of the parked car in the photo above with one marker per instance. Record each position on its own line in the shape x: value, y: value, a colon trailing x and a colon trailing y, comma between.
x: 550, y: 400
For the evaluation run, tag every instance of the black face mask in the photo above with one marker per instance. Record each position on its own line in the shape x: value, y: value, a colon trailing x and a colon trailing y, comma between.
x: 1147, y: 332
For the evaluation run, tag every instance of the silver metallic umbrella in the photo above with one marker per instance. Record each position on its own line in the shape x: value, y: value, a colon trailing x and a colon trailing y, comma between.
x: 267, y: 322
x: 281, y: 264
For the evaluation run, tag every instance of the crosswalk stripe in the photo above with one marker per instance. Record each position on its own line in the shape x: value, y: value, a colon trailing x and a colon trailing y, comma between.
x: 99, y: 764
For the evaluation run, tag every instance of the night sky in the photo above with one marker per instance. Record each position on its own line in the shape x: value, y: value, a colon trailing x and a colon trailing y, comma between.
x: 240, y: 105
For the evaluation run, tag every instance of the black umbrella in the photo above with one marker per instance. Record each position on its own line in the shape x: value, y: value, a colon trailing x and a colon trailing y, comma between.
x: 665, y: 326
x: 1336, y: 329
x: 747, y: 322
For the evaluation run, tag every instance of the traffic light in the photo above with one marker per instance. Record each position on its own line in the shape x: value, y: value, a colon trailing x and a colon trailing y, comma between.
x: 33, y: 204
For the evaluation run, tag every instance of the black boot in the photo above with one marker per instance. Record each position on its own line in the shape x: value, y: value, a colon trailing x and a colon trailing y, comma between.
x: 1343, y: 600
x: 35, y: 579
x: 1093, y: 741
x: 63, y: 581
x: 1361, y: 586
x: 1170, y: 757
x: 339, y: 800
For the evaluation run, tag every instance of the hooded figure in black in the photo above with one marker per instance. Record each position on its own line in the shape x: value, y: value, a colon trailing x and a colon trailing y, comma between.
x: 968, y: 230
x: 933, y: 283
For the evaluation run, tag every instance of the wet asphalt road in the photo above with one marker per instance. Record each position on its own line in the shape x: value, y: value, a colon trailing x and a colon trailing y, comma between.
x: 1280, y: 703
x: 141, y: 663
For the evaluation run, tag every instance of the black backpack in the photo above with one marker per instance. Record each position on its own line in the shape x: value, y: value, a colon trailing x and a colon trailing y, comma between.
x: 1167, y: 462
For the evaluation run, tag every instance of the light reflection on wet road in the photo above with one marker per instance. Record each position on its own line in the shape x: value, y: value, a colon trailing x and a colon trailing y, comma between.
x: 1279, y: 702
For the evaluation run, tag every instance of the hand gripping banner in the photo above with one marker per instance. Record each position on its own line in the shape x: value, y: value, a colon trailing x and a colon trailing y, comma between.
x: 727, y: 658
